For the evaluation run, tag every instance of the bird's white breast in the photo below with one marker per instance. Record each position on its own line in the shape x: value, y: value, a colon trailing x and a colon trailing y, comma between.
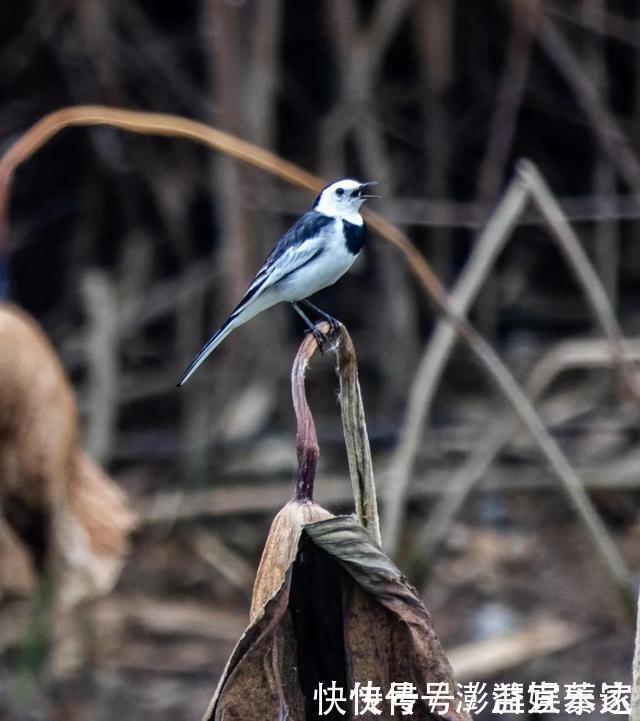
x: 324, y: 270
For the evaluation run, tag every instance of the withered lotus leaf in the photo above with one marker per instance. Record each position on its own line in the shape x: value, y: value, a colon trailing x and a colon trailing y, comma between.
x: 280, y: 550
x: 329, y: 606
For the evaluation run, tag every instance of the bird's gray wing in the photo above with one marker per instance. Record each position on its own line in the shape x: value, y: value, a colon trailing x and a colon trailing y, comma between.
x: 291, y: 260
x: 310, y: 225
x: 302, y: 242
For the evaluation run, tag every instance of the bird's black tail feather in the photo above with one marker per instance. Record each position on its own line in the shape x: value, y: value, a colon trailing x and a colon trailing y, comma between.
x: 208, y: 348
x: 237, y: 317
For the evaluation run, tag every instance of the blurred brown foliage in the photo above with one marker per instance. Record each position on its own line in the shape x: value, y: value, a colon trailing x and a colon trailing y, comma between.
x: 60, y: 515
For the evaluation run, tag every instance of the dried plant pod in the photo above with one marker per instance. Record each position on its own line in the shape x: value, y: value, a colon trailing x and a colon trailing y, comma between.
x: 281, y: 549
x: 405, y: 648
x: 343, y: 612
x: 328, y: 607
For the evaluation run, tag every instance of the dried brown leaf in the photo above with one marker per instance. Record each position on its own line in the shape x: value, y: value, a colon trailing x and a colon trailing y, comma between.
x: 317, y: 624
x: 405, y: 646
x: 280, y: 550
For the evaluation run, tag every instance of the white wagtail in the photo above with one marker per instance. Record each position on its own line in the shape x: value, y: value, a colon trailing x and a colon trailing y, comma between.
x: 317, y: 250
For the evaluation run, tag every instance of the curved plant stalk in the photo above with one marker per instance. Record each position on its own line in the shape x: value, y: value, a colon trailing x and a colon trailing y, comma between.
x: 322, y: 585
x: 158, y: 124
x: 307, y: 448
x: 356, y: 438
x: 353, y: 424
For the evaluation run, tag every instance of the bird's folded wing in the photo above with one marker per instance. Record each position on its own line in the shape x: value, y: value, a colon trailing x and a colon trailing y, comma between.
x: 298, y: 246
x: 268, y: 276
x: 290, y: 260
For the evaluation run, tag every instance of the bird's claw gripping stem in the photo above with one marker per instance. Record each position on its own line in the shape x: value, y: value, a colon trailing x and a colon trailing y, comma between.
x: 320, y: 337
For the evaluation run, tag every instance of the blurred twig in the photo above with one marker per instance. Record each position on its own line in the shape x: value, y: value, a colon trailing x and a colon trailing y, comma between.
x: 431, y: 368
x: 512, y: 86
x: 212, y: 549
x: 102, y: 350
x: 581, y: 266
x: 227, y: 80
x: 524, y: 18
x: 146, y: 123
x: 607, y: 240
x: 611, y: 136
x: 432, y: 23
x: 617, y: 27
x: 424, y: 385
x: 563, y: 356
x: 257, y: 499
x: 195, y: 407
x: 484, y: 659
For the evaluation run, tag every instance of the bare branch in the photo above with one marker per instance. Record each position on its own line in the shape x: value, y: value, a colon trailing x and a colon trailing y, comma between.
x: 563, y: 356
x: 423, y: 388
x: 103, y: 364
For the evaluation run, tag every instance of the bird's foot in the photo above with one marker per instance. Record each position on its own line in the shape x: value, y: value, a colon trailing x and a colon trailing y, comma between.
x: 321, y: 338
x: 334, y: 323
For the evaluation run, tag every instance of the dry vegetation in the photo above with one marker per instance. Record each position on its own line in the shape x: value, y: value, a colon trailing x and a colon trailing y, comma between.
x: 504, y: 435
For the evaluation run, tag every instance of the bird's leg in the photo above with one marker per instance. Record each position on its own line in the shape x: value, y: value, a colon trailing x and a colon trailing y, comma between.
x: 320, y: 337
x: 333, y: 322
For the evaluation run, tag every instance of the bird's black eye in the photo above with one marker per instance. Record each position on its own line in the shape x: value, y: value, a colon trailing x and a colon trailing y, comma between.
x: 339, y: 191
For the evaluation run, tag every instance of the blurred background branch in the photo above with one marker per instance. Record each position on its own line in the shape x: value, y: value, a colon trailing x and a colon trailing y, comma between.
x: 130, y: 248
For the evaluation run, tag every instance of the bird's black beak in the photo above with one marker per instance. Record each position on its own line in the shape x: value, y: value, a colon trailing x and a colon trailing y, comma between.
x: 360, y: 192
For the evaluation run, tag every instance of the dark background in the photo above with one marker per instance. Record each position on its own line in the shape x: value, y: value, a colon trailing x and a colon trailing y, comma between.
x: 436, y: 101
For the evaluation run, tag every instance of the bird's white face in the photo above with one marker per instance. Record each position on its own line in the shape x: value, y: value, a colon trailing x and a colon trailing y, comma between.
x: 343, y: 199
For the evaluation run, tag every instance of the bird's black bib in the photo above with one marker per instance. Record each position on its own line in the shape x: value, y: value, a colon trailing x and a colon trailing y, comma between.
x: 355, y: 236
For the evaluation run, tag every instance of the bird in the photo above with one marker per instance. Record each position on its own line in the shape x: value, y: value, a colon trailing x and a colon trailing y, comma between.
x: 314, y: 253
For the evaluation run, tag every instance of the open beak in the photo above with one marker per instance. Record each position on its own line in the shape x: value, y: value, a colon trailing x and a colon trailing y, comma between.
x: 361, y: 191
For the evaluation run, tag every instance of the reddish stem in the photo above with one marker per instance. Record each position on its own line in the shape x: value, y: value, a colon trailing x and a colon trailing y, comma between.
x: 306, y: 441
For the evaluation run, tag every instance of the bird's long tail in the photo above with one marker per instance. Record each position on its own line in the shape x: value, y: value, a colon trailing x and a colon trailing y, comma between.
x: 208, y: 348
x: 254, y: 302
